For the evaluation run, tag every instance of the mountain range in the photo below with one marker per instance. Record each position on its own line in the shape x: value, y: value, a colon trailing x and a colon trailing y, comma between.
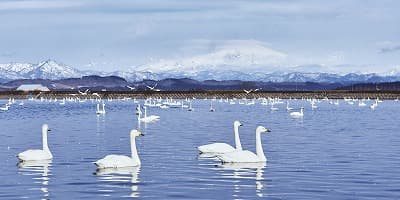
x: 53, y: 70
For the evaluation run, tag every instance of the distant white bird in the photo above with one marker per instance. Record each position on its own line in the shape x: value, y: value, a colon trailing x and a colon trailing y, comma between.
x: 298, y: 114
x: 190, y: 106
x: 84, y: 93
x: 287, y: 106
x: 131, y: 88
x: 118, y: 161
x: 211, y: 107
x: 103, y: 111
x: 374, y: 105
x: 6, y: 107
x: 251, y: 90
x: 42, y: 154
x: 151, y: 118
x: 273, y: 108
x: 247, y: 156
x: 153, y: 88
x: 218, y: 148
x: 361, y: 103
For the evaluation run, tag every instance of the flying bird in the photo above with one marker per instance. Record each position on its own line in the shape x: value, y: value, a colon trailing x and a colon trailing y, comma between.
x: 131, y: 88
x: 153, y: 88
x: 251, y: 90
x: 84, y: 93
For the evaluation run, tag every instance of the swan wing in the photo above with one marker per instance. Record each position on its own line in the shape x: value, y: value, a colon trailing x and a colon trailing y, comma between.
x: 239, y: 157
x: 115, y: 161
x: 216, y: 148
x: 35, y: 154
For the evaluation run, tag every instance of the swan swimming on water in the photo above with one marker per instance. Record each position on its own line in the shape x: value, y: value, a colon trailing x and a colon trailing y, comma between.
x: 211, y: 107
x: 247, y: 156
x: 218, y: 148
x: 190, y: 106
x: 117, y: 161
x: 103, y: 111
x: 298, y: 114
x: 6, y: 107
x: 287, y: 106
x: 146, y: 118
x: 38, y: 154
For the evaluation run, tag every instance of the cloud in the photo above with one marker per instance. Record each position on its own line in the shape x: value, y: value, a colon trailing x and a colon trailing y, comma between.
x: 390, y: 49
x: 36, y: 5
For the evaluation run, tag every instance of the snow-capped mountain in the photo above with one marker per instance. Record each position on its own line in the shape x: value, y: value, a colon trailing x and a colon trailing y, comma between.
x: 48, y: 69
x: 52, y: 70
x: 245, y: 56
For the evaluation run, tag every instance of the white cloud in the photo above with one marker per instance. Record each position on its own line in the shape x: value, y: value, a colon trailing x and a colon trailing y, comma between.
x: 36, y: 4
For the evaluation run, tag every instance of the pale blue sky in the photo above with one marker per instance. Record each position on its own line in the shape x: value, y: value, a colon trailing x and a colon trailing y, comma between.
x: 120, y: 34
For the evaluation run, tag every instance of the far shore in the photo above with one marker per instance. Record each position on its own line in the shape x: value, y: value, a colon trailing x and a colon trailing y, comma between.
x: 332, y: 94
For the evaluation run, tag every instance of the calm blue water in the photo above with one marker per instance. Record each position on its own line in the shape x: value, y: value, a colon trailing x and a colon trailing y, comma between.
x: 334, y: 152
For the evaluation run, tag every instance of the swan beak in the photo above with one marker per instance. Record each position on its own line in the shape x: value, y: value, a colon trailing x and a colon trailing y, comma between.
x: 48, y: 130
x: 268, y: 130
x: 141, y: 134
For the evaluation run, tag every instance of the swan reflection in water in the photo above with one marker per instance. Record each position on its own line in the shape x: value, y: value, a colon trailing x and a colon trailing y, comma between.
x: 120, y: 178
x: 40, y: 172
x: 244, y: 171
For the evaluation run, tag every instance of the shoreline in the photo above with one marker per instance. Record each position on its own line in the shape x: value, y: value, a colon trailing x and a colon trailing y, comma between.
x: 333, y: 94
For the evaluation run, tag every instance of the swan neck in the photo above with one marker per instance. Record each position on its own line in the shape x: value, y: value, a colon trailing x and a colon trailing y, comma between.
x: 134, y: 152
x: 237, y: 138
x: 44, y: 141
x: 259, y: 148
x: 98, y: 107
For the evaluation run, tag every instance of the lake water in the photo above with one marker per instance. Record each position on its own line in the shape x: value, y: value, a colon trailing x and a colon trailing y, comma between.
x: 334, y: 152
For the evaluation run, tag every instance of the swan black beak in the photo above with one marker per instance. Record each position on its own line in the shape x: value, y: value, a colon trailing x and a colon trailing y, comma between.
x: 48, y: 130
x: 141, y: 134
x: 268, y: 130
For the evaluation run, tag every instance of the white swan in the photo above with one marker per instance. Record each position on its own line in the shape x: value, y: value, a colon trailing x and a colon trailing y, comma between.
x: 146, y: 118
x: 298, y: 114
x: 98, y: 111
x: 38, y: 154
x: 287, y: 106
x: 6, y: 107
x: 190, y: 106
x: 247, y: 156
x: 218, y: 148
x: 117, y: 161
x: 273, y: 108
x: 211, y: 107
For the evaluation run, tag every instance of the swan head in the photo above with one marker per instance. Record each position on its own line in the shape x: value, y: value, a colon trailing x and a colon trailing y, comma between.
x: 237, y: 124
x: 45, y: 128
x: 136, y: 133
x: 262, y: 129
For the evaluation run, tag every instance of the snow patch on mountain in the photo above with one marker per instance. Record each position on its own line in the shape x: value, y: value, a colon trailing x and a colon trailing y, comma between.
x: 233, y: 56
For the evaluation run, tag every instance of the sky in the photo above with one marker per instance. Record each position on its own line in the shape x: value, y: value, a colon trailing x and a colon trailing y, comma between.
x: 340, y: 35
